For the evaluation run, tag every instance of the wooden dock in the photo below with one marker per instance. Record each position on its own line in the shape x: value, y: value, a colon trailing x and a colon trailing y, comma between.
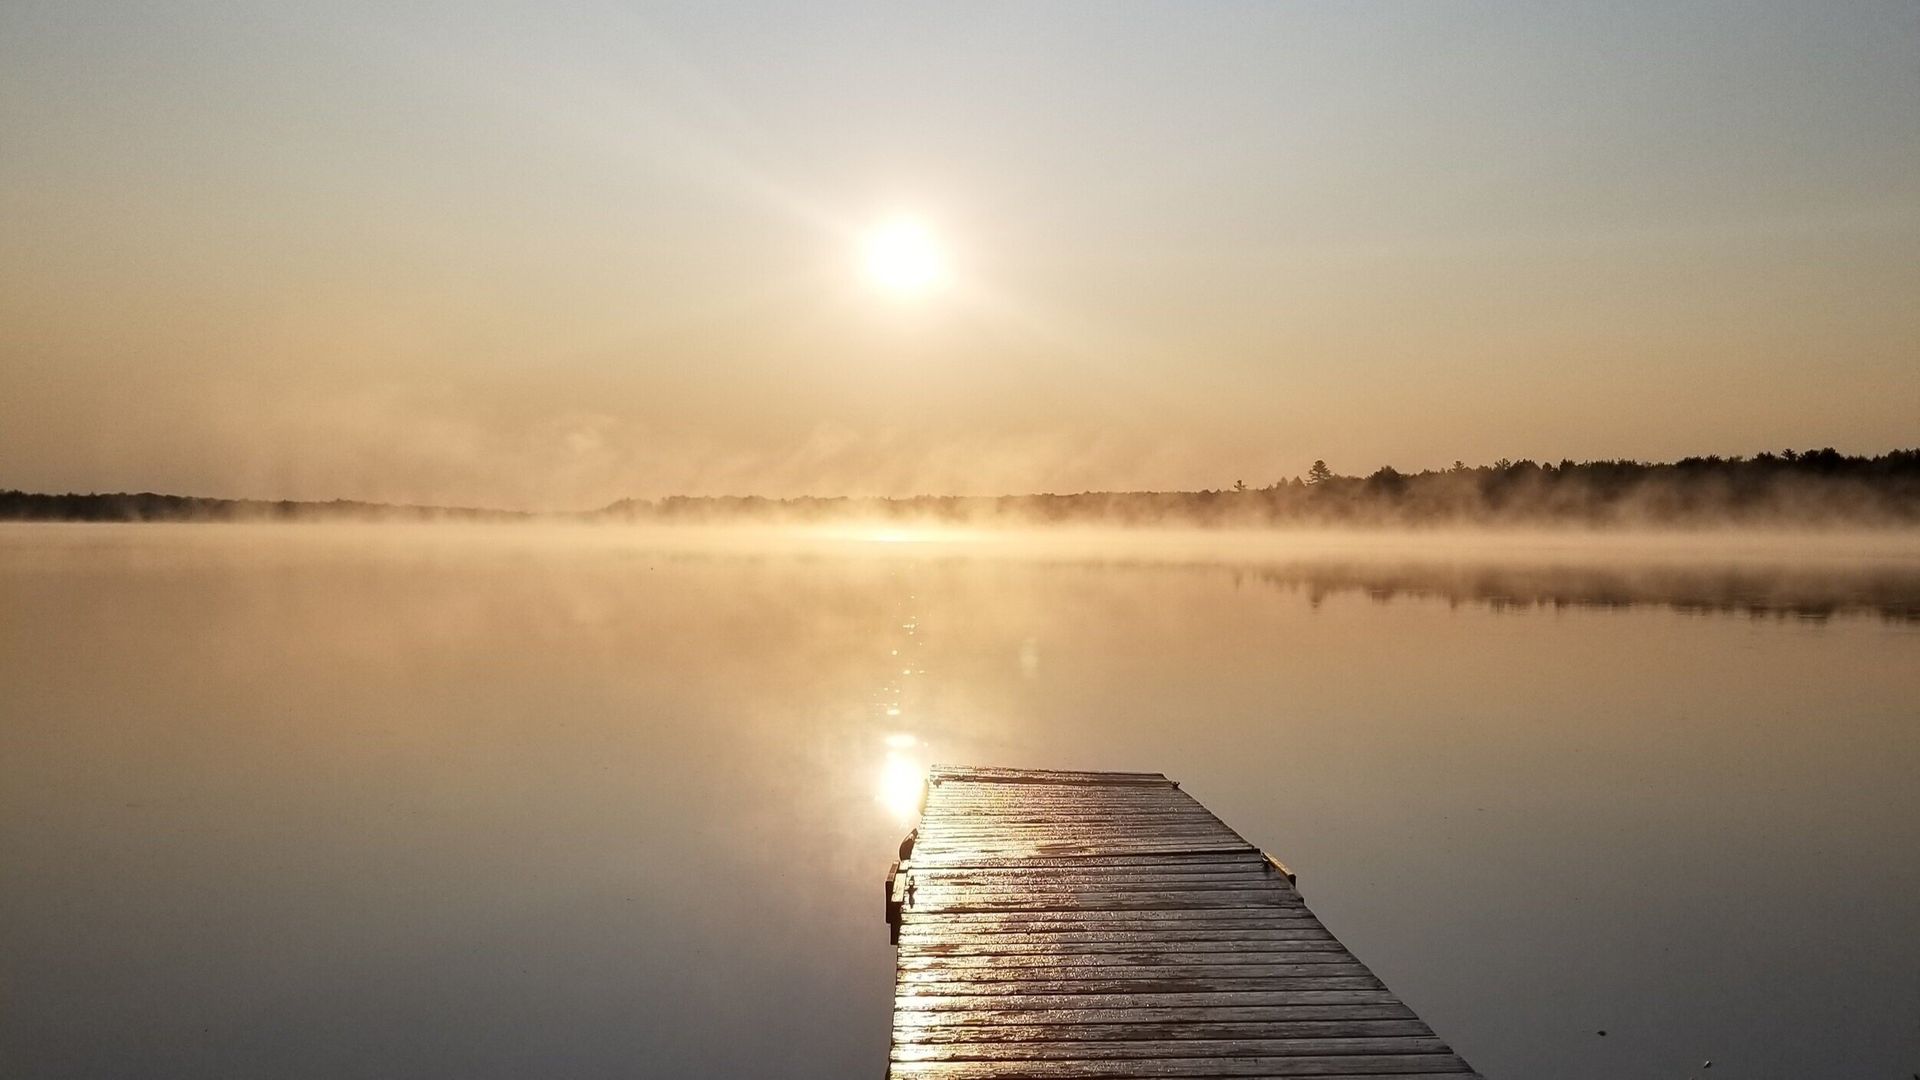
x: 1079, y: 924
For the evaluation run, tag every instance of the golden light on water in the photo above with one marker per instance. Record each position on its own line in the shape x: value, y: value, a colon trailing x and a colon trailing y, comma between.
x: 902, y: 778
x: 903, y: 257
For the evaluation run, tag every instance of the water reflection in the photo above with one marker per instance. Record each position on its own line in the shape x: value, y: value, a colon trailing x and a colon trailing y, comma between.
x: 901, y: 779
x: 898, y: 784
x: 1800, y: 576
x: 1891, y: 592
x: 437, y: 802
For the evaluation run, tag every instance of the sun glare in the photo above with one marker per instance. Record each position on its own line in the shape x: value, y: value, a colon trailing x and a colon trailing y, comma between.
x: 903, y: 257
x: 902, y: 780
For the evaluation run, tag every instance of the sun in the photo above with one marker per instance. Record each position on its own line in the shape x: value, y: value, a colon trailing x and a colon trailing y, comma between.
x: 903, y: 257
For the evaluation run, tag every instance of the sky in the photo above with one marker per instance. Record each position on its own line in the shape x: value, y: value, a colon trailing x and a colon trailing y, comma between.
x: 550, y: 255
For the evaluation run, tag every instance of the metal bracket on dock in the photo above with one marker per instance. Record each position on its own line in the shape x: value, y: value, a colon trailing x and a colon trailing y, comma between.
x: 893, y: 907
x: 899, y: 887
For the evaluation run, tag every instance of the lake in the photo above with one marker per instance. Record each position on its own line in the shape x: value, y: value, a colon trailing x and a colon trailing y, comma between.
x: 331, y: 801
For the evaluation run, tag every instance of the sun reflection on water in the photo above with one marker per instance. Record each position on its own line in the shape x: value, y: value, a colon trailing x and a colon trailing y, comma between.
x: 902, y: 778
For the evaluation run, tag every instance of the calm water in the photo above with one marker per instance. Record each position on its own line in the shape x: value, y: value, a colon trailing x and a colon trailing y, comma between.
x: 332, y: 802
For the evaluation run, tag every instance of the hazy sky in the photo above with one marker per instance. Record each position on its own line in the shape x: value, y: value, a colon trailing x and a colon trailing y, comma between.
x: 554, y: 254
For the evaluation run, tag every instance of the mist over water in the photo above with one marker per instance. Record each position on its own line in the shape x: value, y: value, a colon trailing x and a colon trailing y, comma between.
x: 334, y: 800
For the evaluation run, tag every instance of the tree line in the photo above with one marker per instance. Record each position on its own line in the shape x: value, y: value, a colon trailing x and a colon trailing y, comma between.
x: 1806, y: 488
x: 1812, y: 487
x: 150, y: 506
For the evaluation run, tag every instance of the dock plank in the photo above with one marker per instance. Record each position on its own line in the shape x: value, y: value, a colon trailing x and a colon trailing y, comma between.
x: 1063, y: 925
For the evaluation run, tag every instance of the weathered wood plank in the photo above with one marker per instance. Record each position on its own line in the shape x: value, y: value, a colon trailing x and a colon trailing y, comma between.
x: 1091, y: 896
x: 1239, y: 855
x: 1445, y: 1065
x: 1105, y: 1049
x: 1189, y: 943
x: 1074, y: 965
x: 990, y: 940
x: 934, y: 881
x: 1062, y: 925
x: 930, y: 902
x: 1193, y: 985
x: 930, y: 1023
x: 1239, y: 864
x: 1332, y: 970
x: 1275, y: 916
x: 1140, y: 1030
x: 1281, y: 904
x: 1315, y: 952
x: 932, y: 1001
x: 1058, y: 849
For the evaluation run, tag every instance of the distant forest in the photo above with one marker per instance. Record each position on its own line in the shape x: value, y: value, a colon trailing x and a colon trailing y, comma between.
x: 1808, y: 488
x: 1814, y: 487
x: 147, y: 506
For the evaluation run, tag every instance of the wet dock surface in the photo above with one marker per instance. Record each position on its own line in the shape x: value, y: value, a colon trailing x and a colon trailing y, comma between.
x: 1079, y: 924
